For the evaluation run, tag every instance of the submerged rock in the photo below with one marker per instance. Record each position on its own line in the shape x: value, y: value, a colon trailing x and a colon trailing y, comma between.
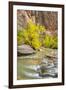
x: 48, y: 68
x: 25, y: 50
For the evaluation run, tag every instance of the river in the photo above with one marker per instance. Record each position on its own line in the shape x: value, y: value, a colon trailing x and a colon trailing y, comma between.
x: 42, y: 64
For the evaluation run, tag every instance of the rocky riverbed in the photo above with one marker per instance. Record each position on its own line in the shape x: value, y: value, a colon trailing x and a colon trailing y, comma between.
x: 42, y: 64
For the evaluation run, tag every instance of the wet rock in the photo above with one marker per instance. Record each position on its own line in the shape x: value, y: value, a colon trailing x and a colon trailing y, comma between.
x: 46, y: 75
x: 48, y: 68
x: 25, y: 50
x: 32, y: 75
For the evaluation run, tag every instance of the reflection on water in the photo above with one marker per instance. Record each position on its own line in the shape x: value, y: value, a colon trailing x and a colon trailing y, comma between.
x: 37, y: 66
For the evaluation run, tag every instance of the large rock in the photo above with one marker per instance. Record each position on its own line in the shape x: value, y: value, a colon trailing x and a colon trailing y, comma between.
x: 25, y: 50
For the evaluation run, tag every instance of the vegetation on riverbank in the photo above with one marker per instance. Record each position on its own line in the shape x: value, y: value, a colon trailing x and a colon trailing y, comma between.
x: 34, y: 35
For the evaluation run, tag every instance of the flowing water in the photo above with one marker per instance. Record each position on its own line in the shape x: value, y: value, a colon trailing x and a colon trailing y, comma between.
x: 43, y: 64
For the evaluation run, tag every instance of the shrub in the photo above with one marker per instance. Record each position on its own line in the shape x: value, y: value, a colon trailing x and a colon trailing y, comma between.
x: 50, y: 41
x: 36, y: 44
x: 20, y: 38
x: 30, y: 35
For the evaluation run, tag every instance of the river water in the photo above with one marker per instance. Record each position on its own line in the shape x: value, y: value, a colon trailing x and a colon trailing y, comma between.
x: 43, y: 64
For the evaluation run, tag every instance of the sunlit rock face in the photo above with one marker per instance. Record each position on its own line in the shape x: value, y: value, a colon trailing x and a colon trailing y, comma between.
x: 46, y: 18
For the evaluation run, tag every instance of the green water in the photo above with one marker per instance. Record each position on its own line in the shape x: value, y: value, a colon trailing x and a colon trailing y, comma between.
x: 26, y: 65
x: 23, y: 65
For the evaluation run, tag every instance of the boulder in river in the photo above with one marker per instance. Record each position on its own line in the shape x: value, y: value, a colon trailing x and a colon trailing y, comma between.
x: 25, y: 50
